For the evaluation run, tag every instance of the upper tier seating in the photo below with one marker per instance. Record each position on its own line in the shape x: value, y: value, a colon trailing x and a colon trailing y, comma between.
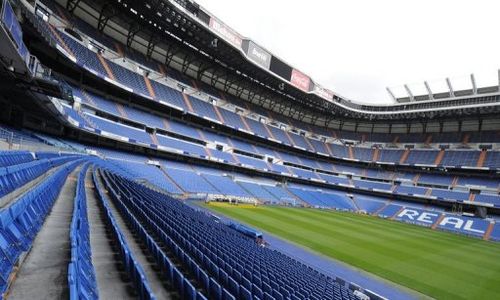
x: 121, y: 129
x: 183, y: 129
x: 75, y: 116
x: 488, y: 198
x: 426, y: 157
x: 99, y: 102
x: 129, y: 78
x: 85, y: 57
x: 372, y: 185
x: 460, y: 158
x: 364, y: 154
x: 390, y: 155
x: 492, y: 159
x: 475, y: 181
x: 436, y: 179
x: 319, y: 146
x: 411, y: 190
x: 173, y: 143
x: 228, y: 157
x: 203, y: 108
x: 137, y: 83
x: 232, y: 119
x: 257, y: 127
x: 450, y: 195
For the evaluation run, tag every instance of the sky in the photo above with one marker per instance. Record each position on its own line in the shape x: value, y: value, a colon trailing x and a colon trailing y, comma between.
x: 357, y: 48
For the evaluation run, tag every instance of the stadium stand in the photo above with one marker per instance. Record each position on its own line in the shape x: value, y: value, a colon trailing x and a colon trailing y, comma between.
x: 201, y: 254
x: 114, y: 142
x: 81, y: 274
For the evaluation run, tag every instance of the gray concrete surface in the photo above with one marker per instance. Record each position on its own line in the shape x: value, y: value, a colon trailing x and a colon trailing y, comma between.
x: 43, y: 274
x: 157, y: 285
x: 110, y: 283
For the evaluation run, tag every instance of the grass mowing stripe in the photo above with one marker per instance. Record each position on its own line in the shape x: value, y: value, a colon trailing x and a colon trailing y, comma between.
x: 374, y: 222
x: 416, y: 231
x: 421, y: 245
x: 351, y: 249
x: 439, y: 264
x: 370, y: 239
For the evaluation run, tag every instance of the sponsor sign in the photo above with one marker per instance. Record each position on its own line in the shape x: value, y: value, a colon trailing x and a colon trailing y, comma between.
x: 300, y: 80
x: 322, y: 92
x: 258, y: 55
x: 224, y: 31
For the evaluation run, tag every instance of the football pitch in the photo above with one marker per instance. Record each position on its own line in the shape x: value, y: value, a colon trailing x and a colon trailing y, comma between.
x: 438, y: 264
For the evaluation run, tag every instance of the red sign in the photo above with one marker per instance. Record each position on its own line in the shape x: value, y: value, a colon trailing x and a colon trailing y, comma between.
x: 300, y: 80
x: 227, y: 33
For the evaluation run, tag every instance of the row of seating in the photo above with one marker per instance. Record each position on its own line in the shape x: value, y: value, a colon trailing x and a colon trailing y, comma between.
x: 232, y: 263
x: 9, y: 158
x: 16, y: 175
x: 193, y: 179
x: 131, y: 266
x: 198, y: 150
x: 172, y: 274
x: 319, y: 198
x: 21, y: 221
x: 81, y: 274
x: 182, y: 176
x: 415, y: 156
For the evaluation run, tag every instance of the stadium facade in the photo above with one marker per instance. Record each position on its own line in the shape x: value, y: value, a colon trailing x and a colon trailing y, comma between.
x: 155, y: 103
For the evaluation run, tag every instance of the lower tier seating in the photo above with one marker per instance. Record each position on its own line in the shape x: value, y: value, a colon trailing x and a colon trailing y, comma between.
x: 132, y: 267
x: 81, y: 274
x: 199, y: 257
x: 18, y: 174
x: 227, y: 264
x: 21, y: 220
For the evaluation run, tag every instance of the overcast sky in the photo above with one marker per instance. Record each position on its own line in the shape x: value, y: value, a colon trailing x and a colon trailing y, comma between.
x: 357, y: 48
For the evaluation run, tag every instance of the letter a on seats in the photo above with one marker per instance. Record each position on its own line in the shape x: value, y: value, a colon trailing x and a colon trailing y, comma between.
x: 456, y: 222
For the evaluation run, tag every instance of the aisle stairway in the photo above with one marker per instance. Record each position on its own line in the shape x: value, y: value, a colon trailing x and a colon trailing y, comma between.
x: 157, y: 284
x: 29, y: 218
x: 45, y: 267
x: 108, y: 274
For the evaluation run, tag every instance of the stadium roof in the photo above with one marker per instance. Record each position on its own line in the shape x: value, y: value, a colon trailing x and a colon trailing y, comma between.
x: 201, y: 45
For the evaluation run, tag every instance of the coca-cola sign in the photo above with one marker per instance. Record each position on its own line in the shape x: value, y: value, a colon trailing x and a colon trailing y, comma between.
x: 300, y: 80
x: 227, y: 33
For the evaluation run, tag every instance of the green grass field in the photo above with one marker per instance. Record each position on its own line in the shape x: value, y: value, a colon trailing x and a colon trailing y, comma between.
x: 438, y: 264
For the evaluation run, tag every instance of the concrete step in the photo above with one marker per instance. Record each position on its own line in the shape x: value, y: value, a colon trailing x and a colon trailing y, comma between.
x: 45, y: 268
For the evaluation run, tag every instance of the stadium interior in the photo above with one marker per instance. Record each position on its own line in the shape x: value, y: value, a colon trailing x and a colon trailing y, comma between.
x: 123, y: 122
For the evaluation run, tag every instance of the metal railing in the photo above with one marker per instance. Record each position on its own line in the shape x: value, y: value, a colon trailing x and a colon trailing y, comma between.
x: 10, y: 140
